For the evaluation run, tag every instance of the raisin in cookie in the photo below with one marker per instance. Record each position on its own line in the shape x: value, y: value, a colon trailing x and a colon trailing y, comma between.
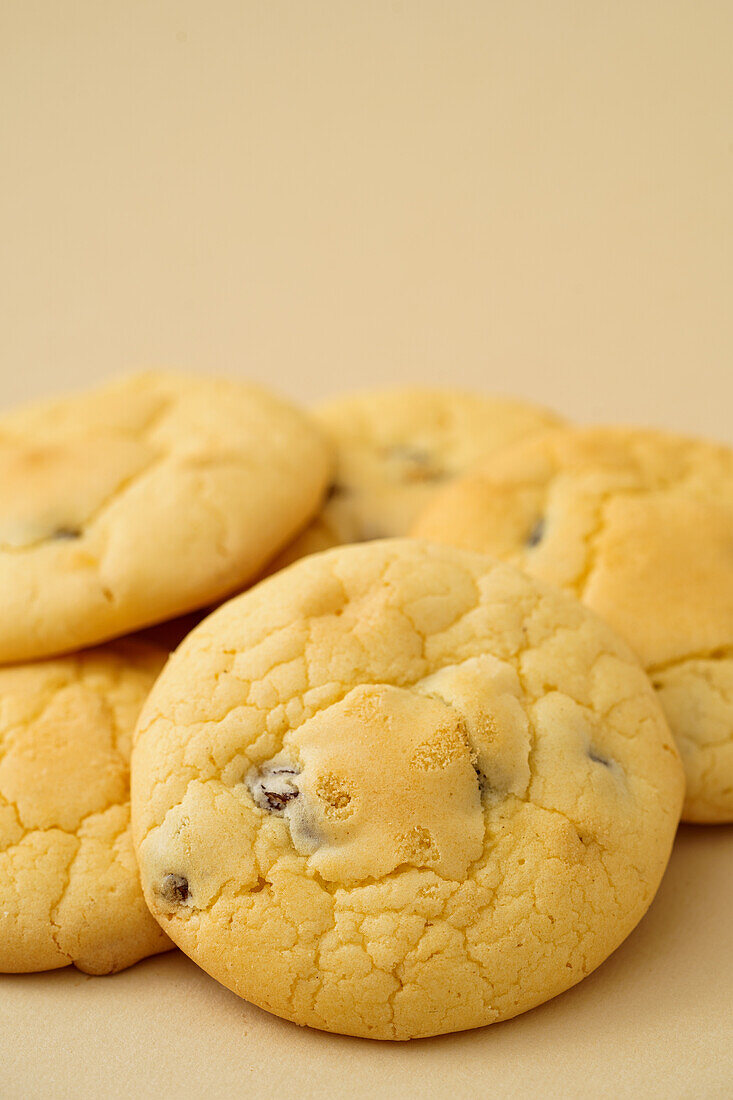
x: 639, y: 524
x: 142, y: 500
x: 394, y: 448
x: 399, y: 789
x: 69, y: 886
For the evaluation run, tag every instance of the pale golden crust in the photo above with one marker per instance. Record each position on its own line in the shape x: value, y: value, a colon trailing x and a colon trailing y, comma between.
x: 142, y: 500
x: 69, y: 886
x: 639, y: 524
x: 394, y: 448
x: 398, y: 790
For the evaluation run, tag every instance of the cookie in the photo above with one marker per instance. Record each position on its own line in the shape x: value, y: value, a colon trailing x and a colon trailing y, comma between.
x: 142, y: 500
x: 394, y: 448
x: 398, y: 790
x: 639, y: 525
x: 69, y: 886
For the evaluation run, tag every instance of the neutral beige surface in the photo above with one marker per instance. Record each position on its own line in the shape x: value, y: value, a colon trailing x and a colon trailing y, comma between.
x: 654, y: 1021
x: 527, y: 197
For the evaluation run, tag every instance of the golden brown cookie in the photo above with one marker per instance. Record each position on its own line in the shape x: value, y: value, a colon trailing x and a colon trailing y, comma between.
x: 639, y: 525
x: 142, y: 500
x: 395, y: 448
x: 398, y: 790
x: 69, y: 885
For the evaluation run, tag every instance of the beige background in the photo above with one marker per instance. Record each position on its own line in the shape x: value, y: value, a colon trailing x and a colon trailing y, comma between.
x: 527, y: 197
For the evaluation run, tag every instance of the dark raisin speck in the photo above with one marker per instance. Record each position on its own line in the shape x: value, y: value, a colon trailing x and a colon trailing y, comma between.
x: 537, y: 533
x: 272, y: 787
x: 277, y: 799
x: 483, y: 783
x: 64, y: 534
x: 594, y: 756
x: 336, y: 490
x: 174, y: 889
x: 418, y: 464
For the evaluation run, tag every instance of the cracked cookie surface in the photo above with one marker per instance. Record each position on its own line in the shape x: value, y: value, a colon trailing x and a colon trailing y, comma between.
x: 69, y: 886
x: 394, y: 448
x: 639, y: 525
x: 142, y: 500
x: 399, y: 789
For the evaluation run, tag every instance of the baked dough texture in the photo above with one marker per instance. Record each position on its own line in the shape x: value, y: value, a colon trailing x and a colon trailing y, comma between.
x: 398, y: 790
x: 639, y: 525
x: 69, y: 886
x: 395, y: 447
x: 142, y: 500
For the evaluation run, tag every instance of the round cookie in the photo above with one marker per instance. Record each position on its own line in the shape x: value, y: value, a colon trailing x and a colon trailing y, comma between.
x: 394, y: 448
x: 398, y: 790
x: 639, y: 525
x: 69, y: 886
x: 142, y: 500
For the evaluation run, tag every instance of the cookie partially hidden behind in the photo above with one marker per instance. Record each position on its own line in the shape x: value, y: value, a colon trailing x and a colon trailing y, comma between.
x: 639, y: 525
x: 69, y: 885
x: 398, y: 790
x: 142, y: 500
x: 395, y: 448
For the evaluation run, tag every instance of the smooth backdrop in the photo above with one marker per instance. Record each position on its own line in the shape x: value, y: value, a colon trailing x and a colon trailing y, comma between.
x: 513, y: 195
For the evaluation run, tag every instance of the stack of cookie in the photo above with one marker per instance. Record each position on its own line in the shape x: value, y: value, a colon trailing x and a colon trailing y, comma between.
x: 421, y: 777
x: 118, y: 509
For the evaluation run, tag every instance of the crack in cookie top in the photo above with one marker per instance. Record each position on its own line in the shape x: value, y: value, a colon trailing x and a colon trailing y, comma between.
x: 144, y: 499
x: 639, y: 525
x: 399, y: 789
